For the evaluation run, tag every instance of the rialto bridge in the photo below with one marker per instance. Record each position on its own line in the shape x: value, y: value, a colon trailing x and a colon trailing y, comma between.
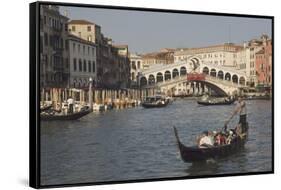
x: 173, y: 78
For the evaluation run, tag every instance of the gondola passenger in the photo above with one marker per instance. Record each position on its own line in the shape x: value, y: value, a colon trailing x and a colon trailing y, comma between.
x: 206, y: 141
x: 220, y: 139
x: 230, y: 137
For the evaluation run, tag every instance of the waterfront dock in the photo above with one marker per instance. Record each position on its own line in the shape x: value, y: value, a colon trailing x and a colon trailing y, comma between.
x: 117, y: 98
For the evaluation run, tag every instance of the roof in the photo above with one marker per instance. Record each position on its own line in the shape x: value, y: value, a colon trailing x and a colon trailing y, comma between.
x: 260, y: 52
x: 80, y: 22
x: 120, y: 46
x: 157, y: 55
x: 76, y: 38
x: 212, y: 48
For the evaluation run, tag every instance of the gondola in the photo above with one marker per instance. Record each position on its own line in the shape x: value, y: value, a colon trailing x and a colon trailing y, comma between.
x: 156, y: 102
x: 213, y: 103
x: 154, y: 105
x: 196, y: 154
x: 72, y: 116
x: 45, y: 108
x: 257, y: 98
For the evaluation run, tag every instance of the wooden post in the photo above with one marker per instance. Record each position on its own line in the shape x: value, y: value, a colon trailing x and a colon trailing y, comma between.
x: 90, y: 94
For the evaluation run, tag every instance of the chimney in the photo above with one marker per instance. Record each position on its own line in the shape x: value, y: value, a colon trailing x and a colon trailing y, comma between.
x: 65, y: 13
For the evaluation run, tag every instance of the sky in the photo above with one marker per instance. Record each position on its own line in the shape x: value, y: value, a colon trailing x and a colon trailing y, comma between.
x: 147, y: 32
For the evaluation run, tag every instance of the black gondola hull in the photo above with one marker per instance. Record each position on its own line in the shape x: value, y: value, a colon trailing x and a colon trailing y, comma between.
x: 206, y: 103
x: 195, y: 154
x: 73, y: 116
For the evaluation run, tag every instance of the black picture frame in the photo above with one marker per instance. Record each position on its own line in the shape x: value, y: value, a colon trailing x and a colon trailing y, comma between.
x: 34, y: 92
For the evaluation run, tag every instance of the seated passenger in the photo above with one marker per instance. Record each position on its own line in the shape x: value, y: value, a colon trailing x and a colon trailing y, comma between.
x: 230, y: 137
x: 220, y: 139
x: 206, y: 141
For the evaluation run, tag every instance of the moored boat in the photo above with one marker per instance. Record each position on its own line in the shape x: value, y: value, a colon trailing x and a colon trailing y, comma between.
x: 155, y: 102
x: 209, y: 101
x: 45, y: 108
x: 196, y: 154
x: 70, y: 116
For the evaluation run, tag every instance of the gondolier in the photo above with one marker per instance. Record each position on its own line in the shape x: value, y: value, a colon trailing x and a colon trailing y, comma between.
x: 242, y: 111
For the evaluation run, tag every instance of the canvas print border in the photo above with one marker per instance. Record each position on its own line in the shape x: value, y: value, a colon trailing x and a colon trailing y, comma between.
x: 34, y: 118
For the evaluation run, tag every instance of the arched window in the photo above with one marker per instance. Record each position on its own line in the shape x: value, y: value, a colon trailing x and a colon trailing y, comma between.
x: 183, y: 71
x: 143, y: 81
x: 167, y: 75
x: 220, y: 75
x: 227, y: 76
x: 159, y: 77
x: 206, y: 70
x: 151, y: 79
x: 213, y: 73
x: 235, y: 78
x: 175, y: 73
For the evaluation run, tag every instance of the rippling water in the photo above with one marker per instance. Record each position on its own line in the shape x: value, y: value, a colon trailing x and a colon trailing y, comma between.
x: 139, y: 143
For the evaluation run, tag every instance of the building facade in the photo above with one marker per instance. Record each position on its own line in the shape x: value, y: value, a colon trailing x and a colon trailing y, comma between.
x: 82, y: 58
x: 54, y: 53
x: 226, y: 55
x: 165, y: 56
x: 123, y: 65
x: 263, y: 65
x: 109, y: 60
x: 136, y: 66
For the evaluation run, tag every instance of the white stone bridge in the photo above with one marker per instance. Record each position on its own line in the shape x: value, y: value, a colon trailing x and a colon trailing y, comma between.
x: 173, y: 78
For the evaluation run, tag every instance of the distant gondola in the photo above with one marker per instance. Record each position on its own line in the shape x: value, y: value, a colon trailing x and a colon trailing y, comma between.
x: 195, y: 154
x: 72, y: 116
x: 257, y: 98
x: 155, y: 102
x: 212, y: 102
x: 154, y: 105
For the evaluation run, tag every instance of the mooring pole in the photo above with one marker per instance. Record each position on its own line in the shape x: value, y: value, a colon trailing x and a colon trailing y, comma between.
x: 90, y: 93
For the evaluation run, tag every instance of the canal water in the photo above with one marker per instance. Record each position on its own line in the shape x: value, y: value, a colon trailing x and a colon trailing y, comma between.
x: 139, y: 143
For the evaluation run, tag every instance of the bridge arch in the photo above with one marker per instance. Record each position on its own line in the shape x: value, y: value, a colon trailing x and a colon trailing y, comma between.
x: 206, y: 70
x: 183, y: 71
x: 159, y: 77
x: 242, y: 81
x: 235, y: 78
x: 220, y: 75
x: 151, y: 80
x: 227, y: 76
x: 143, y: 81
x: 213, y: 73
x: 167, y: 75
x: 175, y: 72
x: 216, y: 88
